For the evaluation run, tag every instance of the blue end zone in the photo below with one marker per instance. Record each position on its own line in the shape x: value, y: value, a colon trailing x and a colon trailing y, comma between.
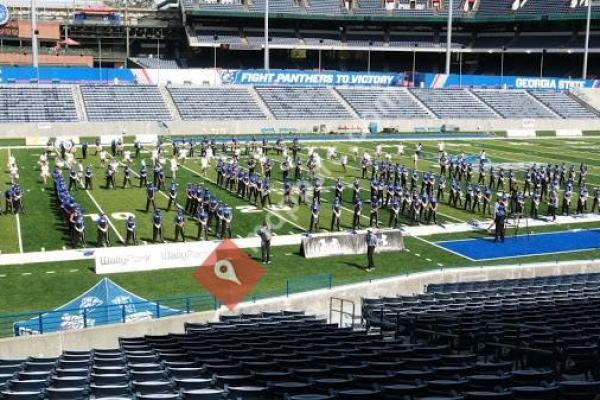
x: 482, y: 249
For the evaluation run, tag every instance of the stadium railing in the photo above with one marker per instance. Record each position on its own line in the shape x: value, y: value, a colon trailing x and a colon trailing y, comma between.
x: 40, y: 322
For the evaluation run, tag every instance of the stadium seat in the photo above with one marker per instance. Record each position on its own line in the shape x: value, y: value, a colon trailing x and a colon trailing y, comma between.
x: 66, y: 393
x: 289, y: 103
x: 358, y: 394
x: 202, y: 394
x: 192, y: 383
x: 68, y: 381
x: 8, y: 395
x: 83, y: 372
x: 488, y: 395
x: 158, y: 396
x: 119, y: 103
x: 535, y: 392
x: 109, y: 379
x: 151, y: 387
x: 102, y: 391
x: 248, y: 392
x: 10, y: 369
x: 27, y: 386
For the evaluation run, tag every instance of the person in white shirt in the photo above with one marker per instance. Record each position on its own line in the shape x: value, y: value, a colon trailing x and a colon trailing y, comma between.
x: 102, y: 155
x: 45, y: 173
x: 174, y: 167
x: 400, y: 150
x: 441, y: 148
x: 127, y: 157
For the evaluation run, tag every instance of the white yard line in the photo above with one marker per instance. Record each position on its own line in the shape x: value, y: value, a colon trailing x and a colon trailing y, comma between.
x: 367, y: 190
x: 265, y: 209
x: 19, y: 233
x: 102, y: 212
x: 160, y: 191
x: 18, y: 219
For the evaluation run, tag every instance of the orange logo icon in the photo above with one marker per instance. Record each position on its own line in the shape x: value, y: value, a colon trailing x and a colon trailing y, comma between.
x: 229, y: 274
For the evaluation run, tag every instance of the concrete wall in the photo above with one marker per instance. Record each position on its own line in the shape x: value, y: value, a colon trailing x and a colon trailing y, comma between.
x: 46, y: 129
x: 589, y: 96
x: 314, y: 302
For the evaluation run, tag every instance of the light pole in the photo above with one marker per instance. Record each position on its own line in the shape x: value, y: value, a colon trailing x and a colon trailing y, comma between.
x: 100, y: 58
x: 414, y: 62
x: 369, y: 57
x: 34, y: 39
x: 460, y: 62
x: 320, y: 60
x: 266, y: 66
x: 158, y: 57
x: 449, y: 36
x: 126, y: 30
x: 542, y: 63
x: 502, y: 66
x: 215, y: 38
x: 588, y: 23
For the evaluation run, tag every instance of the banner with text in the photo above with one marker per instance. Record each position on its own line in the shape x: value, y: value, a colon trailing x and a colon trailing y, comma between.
x: 443, y: 81
x: 151, y: 257
x: 311, y: 78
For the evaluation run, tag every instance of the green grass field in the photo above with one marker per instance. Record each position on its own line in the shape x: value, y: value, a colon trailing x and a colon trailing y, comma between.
x: 44, y: 286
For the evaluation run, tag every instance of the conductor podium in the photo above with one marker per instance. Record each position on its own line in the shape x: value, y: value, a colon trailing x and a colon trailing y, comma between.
x: 349, y: 243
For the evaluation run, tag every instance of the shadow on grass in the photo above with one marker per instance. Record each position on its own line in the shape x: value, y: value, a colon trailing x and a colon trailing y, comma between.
x: 355, y: 265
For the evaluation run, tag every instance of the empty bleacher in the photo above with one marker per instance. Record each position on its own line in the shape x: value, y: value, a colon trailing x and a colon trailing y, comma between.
x: 303, y: 103
x: 513, y: 339
x: 517, y: 339
x: 155, y: 63
x: 453, y: 103
x: 275, y: 6
x: 383, y: 103
x: 37, y: 104
x: 513, y: 103
x: 324, y: 7
x: 563, y: 104
x: 119, y: 103
x: 573, y: 280
x: 214, y: 103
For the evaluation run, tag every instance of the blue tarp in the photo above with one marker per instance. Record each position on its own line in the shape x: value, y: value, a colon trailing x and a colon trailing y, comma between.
x: 66, y: 75
x: 481, y: 249
x: 105, y: 303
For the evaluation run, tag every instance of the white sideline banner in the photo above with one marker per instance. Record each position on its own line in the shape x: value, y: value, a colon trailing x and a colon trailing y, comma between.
x: 111, y: 260
x: 36, y: 140
x: 147, y: 138
x: 107, y: 139
x: 569, y: 133
x: 520, y: 133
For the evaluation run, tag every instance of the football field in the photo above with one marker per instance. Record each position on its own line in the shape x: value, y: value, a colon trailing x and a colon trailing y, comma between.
x: 42, y: 226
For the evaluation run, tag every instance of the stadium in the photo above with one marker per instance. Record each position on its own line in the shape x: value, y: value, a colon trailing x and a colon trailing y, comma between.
x: 300, y: 199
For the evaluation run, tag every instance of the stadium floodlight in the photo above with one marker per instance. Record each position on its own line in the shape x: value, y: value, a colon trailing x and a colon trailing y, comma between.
x: 266, y: 66
x: 449, y: 36
x: 34, y: 36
